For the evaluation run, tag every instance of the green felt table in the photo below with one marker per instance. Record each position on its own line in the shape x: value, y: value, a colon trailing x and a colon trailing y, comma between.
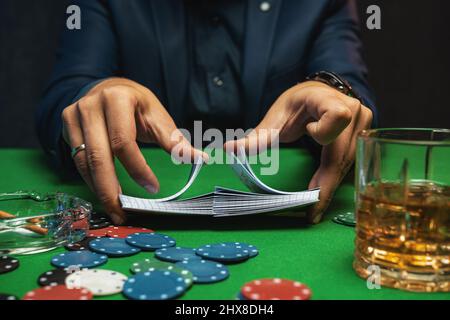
x: 320, y: 256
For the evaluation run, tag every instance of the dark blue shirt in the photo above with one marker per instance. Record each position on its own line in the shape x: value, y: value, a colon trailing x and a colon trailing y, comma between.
x: 215, y: 34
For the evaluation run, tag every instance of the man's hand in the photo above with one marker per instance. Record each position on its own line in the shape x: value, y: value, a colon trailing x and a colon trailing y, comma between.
x: 330, y: 118
x: 110, y: 120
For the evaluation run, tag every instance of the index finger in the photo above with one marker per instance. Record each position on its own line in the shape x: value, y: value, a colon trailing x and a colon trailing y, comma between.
x: 331, y: 116
x: 121, y: 126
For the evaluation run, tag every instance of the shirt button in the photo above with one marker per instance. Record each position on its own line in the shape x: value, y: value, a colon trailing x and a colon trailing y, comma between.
x: 265, y: 6
x: 218, y: 81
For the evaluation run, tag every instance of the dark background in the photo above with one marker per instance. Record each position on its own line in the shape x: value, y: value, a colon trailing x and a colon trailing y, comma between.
x: 408, y: 61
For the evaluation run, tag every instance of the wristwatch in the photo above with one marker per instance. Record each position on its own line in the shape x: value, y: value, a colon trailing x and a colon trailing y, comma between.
x: 334, y: 81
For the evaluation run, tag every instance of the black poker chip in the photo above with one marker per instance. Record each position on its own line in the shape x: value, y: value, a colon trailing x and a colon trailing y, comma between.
x: 53, y: 277
x: 5, y: 296
x: 346, y: 219
x: 8, y: 264
x: 98, y: 222
x: 80, y: 245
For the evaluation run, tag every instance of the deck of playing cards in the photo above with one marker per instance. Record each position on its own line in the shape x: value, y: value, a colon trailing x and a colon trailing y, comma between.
x: 225, y: 202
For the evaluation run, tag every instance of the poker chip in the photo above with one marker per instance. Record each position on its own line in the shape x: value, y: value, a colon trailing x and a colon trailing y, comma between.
x: 346, y: 219
x: 97, y: 233
x: 8, y: 264
x: 150, y: 241
x: 99, y: 222
x: 113, y: 247
x: 205, y: 271
x: 149, y: 265
x: 176, y: 254
x: 239, y: 296
x: 60, y: 292
x: 98, y: 281
x: 275, y: 289
x: 5, y: 296
x: 124, y: 231
x: 155, y: 285
x: 186, y: 274
x: 81, y: 259
x: 53, y: 277
x: 223, y: 252
x: 80, y: 245
x: 252, y: 250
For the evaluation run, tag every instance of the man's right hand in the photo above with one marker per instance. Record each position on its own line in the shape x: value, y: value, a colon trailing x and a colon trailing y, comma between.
x: 109, y: 120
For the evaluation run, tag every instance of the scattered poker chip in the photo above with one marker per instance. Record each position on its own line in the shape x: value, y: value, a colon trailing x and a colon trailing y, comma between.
x: 150, y: 241
x: 155, y: 285
x: 176, y: 254
x: 205, y: 271
x: 99, y: 222
x: 8, y: 264
x: 81, y: 259
x: 186, y: 274
x: 97, y: 233
x: 346, y: 219
x: 223, y: 252
x: 53, y: 277
x: 113, y: 247
x: 275, y: 289
x: 252, y: 250
x: 60, y: 292
x: 152, y: 265
x: 239, y: 296
x: 149, y: 265
x: 5, y: 296
x: 98, y: 281
x: 125, y: 231
x: 80, y: 245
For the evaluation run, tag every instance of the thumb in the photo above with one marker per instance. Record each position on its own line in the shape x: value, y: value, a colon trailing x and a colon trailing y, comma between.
x: 331, y: 116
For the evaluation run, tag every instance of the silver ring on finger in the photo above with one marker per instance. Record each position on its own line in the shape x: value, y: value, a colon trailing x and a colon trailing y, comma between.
x: 78, y: 149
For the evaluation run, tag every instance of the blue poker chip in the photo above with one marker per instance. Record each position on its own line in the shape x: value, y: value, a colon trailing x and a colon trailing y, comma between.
x: 155, y: 285
x: 176, y: 254
x: 205, y: 271
x: 150, y: 241
x: 80, y: 259
x: 223, y: 252
x: 239, y: 296
x: 252, y: 250
x: 113, y: 247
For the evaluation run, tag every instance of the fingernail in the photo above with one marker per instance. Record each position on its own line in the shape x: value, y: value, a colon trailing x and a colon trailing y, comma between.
x: 205, y: 158
x: 317, y: 219
x: 151, y: 189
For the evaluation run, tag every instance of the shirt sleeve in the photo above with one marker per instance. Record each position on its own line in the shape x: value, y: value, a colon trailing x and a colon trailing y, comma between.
x: 338, y: 48
x: 84, y: 58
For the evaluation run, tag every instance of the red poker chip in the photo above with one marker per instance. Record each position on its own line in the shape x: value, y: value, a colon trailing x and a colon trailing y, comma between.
x: 124, y: 231
x: 60, y: 292
x: 275, y: 289
x: 97, y: 232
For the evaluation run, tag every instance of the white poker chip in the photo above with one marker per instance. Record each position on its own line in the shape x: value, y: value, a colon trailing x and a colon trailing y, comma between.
x: 100, y: 282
